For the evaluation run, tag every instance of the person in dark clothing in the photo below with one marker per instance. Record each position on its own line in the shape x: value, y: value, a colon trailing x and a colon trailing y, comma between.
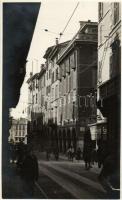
x: 30, y: 172
x: 87, y: 149
x: 101, y: 152
x: 78, y: 154
x: 56, y: 153
x: 48, y: 154
x: 94, y: 156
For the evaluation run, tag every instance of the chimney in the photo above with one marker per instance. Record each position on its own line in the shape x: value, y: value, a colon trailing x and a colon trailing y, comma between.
x: 56, y: 41
x: 82, y: 23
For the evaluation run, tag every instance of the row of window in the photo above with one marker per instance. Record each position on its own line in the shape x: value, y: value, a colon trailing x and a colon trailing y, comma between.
x: 19, y: 133
x: 68, y: 64
x: 64, y: 87
x: 20, y: 127
x: 64, y: 112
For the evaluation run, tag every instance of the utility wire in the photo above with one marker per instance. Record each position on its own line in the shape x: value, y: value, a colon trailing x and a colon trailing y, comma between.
x: 46, y: 30
x: 68, y: 21
x: 62, y: 33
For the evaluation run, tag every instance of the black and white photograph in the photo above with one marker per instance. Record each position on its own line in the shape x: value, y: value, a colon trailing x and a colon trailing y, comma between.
x: 61, y: 99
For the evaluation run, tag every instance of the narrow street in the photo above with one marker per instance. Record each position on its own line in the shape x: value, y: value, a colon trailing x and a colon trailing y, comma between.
x: 66, y: 179
x: 61, y: 104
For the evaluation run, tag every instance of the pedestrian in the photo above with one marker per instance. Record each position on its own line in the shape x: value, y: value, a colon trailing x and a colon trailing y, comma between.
x: 78, y: 154
x: 101, y: 152
x: 48, y: 154
x: 87, y: 149
x: 69, y: 153
x: 56, y: 153
x: 29, y: 172
x: 72, y: 154
x: 94, y: 155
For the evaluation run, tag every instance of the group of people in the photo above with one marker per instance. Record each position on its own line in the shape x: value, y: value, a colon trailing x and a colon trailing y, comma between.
x: 92, y: 152
x: 71, y: 153
x: 52, y: 151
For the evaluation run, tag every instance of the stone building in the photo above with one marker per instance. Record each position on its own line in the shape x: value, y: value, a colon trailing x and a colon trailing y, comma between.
x: 18, y: 130
x: 71, y: 75
x: 42, y: 108
x: 33, y: 106
x: 52, y: 81
x: 109, y: 68
x: 77, y: 89
x: 67, y: 89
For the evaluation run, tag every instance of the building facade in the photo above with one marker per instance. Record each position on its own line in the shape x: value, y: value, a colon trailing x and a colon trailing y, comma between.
x: 78, y: 72
x: 33, y: 107
x: 66, y: 91
x: 109, y: 67
x: 18, y: 131
x: 71, y: 77
x: 52, y: 91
